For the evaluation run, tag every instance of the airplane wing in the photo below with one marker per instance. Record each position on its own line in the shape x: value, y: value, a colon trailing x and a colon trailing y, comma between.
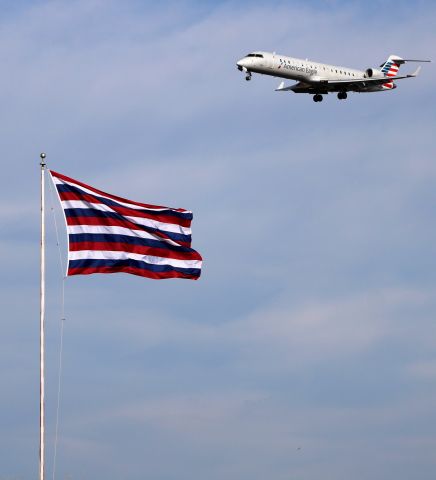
x: 315, y: 85
x: 367, y: 81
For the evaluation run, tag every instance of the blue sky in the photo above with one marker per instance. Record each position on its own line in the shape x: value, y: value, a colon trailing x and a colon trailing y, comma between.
x: 312, y: 325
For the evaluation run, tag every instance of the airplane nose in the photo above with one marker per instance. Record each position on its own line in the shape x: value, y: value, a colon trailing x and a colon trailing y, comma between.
x: 240, y: 64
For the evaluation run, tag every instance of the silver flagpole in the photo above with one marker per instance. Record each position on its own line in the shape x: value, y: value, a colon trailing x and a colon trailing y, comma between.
x: 41, y: 324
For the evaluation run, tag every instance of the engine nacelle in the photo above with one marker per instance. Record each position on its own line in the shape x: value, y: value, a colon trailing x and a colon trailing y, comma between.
x: 373, y: 73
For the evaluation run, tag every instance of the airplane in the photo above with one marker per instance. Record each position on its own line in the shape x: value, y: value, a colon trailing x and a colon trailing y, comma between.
x: 320, y: 79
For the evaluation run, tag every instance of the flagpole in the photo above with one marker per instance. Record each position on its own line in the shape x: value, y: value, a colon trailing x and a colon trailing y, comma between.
x: 41, y: 325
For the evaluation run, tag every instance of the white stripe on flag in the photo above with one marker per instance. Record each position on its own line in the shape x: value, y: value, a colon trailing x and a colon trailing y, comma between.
x: 109, y: 230
x: 116, y: 255
x: 147, y: 222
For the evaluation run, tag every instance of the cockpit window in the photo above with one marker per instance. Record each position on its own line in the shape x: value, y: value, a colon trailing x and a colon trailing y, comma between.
x: 254, y: 55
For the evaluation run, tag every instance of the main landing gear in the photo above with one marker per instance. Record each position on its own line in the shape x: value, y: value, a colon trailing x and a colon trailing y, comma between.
x: 318, y: 97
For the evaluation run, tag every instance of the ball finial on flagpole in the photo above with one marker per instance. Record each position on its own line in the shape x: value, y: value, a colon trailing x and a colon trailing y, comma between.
x: 42, y: 156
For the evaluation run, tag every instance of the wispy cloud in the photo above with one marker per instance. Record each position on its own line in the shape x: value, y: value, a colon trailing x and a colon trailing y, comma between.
x: 312, y: 325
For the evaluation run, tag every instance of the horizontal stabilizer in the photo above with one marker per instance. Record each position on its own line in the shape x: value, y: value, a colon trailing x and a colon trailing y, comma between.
x: 401, y: 61
x: 411, y: 60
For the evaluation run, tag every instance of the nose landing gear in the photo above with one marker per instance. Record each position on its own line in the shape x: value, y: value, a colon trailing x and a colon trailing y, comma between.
x: 247, y: 73
x: 317, y: 97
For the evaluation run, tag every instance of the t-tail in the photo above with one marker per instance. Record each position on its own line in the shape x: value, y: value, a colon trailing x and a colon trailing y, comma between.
x: 390, y: 69
x: 392, y: 65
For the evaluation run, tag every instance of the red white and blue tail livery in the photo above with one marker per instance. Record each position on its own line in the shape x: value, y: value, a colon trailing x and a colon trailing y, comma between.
x: 390, y: 69
x: 391, y: 66
x: 320, y: 79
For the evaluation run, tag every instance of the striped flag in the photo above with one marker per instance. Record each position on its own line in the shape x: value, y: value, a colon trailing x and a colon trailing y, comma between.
x: 108, y: 234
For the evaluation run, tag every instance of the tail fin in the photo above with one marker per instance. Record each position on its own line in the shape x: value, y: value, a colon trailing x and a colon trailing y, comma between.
x: 391, y: 66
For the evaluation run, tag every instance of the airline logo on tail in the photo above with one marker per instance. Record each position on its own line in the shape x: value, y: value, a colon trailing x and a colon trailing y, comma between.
x: 390, y: 69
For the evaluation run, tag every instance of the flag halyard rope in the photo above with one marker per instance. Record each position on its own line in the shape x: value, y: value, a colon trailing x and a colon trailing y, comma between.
x: 58, y: 403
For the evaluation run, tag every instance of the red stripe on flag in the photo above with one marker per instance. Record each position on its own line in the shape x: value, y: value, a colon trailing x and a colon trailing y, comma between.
x: 126, y: 211
x: 131, y: 248
x: 135, y: 271
x: 114, y: 222
x: 114, y: 197
x: 106, y: 221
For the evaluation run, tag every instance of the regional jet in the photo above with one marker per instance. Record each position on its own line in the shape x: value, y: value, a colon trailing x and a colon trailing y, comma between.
x: 320, y: 79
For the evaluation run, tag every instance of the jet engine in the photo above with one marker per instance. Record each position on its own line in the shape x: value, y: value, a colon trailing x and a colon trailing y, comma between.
x: 373, y: 73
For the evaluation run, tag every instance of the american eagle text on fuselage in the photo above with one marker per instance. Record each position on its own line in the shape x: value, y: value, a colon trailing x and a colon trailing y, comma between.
x: 296, y: 68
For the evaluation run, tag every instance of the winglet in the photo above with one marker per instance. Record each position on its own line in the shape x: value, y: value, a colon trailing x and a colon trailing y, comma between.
x: 416, y: 72
x: 280, y: 87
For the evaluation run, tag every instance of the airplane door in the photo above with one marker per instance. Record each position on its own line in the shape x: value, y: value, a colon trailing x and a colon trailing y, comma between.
x: 271, y: 62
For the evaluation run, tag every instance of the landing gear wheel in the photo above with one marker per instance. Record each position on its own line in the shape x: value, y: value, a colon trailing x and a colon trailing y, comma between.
x: 248, y: 78
x: 317, y: 98
x: 342, y: 95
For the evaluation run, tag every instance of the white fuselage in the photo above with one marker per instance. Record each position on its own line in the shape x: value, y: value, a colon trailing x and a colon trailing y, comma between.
x: 305, y: 71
